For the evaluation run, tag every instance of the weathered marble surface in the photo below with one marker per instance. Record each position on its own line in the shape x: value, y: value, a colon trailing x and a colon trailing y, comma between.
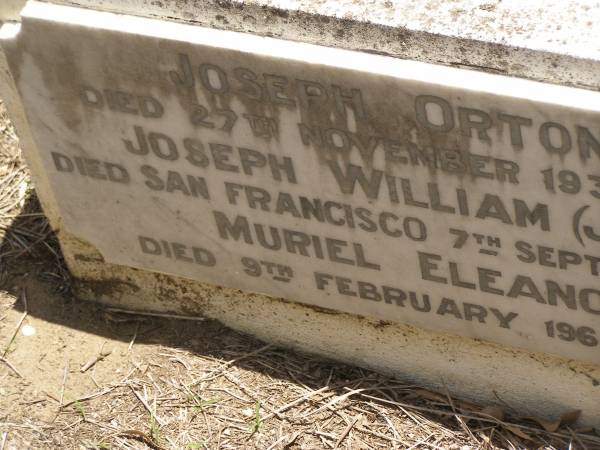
x: 547, y: 40
x: 301, y: 172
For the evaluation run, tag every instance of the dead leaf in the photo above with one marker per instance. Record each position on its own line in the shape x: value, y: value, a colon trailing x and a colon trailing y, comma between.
x: 494, y: 411
x: 430, y: 395
x: 567, y: 418
x: 518, y: 432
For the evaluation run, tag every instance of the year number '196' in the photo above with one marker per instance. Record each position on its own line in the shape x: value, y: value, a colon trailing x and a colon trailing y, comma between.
x: 569, y: 333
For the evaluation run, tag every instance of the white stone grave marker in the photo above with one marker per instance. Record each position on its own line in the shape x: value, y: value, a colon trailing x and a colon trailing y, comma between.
x: 455, y: 201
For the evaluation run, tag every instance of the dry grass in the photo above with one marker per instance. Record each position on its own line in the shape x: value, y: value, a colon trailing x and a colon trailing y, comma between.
x: 24, y: 230
x: 182, y: 400
x: 197, y: 385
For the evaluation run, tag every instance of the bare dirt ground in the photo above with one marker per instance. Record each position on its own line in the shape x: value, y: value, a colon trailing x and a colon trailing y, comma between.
x: 74, y: 375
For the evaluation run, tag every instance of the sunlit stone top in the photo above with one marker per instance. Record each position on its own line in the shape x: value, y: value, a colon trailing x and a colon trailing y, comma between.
x: 554, y: 41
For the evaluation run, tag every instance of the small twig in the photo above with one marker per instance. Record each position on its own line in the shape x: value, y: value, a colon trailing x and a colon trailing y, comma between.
x: 14, y: 335
x: 295, y: 402
x: 292, y: 439
x: 224, y: 366
x: 273, y: 445
x: 108, y: 426
x: 88, y: 397
x: 14, y: 216
x: 476, y: 416
x: 94, y: 380
x: 389, y: 423
x: 574, y: 434
x: 13, y: 368
x: 50, y: 396
x: 126, y: 377
x: 250, y: 393
x: 64, y: 382
x: 282, y: 438
x: 4, y: 438
x: 228, y: 392
x: 346, y: 432
x: 137, y: 328
x: 71, y: 425
x: 460, y: 420
x: 147, y: 406
x: 375, y: 433
x: 26, y: 426
x: 330, y: 404
x: 18, y: 327
x: 422, y: 441
x: 33, y: 244
x: 154, y: 314
x: 92, y: 362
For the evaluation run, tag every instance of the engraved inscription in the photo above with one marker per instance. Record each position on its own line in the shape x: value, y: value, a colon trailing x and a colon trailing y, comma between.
x: 351, y: 182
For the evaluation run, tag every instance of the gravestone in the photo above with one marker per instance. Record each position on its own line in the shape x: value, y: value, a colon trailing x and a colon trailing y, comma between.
x: 437, y: 223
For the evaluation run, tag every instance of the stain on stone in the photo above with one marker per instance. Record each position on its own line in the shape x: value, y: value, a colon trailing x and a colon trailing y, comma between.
x: 383, y: 324
x: 106, y: 288
x: 283, y: 13
x: 88, y: 258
